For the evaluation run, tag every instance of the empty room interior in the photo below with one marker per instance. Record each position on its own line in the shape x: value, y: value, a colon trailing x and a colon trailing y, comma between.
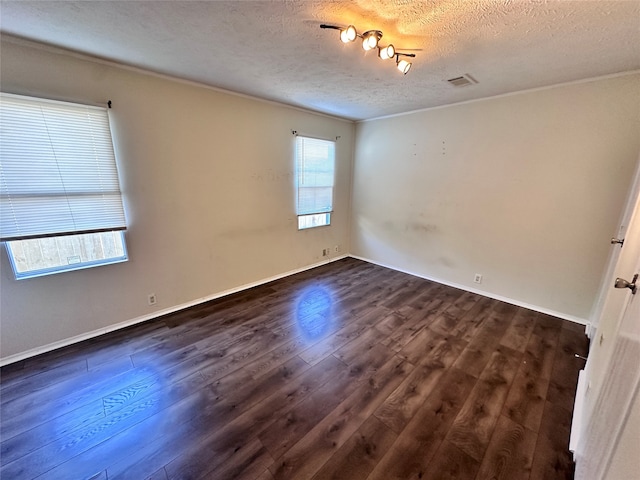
x: 320, y: 239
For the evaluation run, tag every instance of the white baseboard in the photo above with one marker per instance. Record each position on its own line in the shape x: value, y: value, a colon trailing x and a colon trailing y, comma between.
x: 578, y: 406
x: 127, y: 323
x: 518, y: 303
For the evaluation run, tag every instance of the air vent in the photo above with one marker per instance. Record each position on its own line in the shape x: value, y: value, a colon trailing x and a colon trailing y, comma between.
x: 462, y: 81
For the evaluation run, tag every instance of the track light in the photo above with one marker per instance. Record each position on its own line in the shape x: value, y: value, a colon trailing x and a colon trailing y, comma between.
x: 403, y: 65
x: 386, y: 52
x: 370, y: 40
x: 349, y: 34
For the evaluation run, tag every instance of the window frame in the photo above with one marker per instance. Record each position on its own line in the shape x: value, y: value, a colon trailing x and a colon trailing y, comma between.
x: 306, y: 213
x: 71, y: 267
x: 47, y: 160
x: 303, y: 219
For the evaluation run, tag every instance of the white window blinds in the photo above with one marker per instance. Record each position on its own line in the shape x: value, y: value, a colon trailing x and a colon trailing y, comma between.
x: 58, y: 172
x: 315, y: 163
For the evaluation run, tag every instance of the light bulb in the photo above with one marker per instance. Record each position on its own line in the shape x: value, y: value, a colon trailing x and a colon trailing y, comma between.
x: 370, y: 41
x: 349, y: 34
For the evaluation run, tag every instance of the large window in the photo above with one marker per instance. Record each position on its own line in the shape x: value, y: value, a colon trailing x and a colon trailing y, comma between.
x: 315, y: 164
x: 60, y: 202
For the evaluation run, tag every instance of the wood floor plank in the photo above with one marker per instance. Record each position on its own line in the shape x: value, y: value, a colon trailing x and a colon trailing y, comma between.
x: 474, y: 425
x: 414, y: 288
x: 159, y: 474
x: 417, y: 444
x: 79, y: 455
x: 451, y: 463
x: 437, y: 355
x: 360, y: 454
x: 521, y: 328
x: 200, y: 447
x: 24, y: 413
x: 307, y: 456
x: 194, y: 439
x: 420, y: 318
x: 368, y: 340
x: 564, y: 372
x: 348, y: 370
x: 33, y: 383
x: 353, y: 330
x: 389, y: 324
x: 245, y: 462
x: 510, y: 452
x: 552, y: 459
x: 494, y: 321
x: 287, y: 430
x: 448, y: 321
x: 17, y: 446
x: 266, y: 475
x: 525, y: 401
x: 540, y: 354
x: 429, y: 347
x: 484, y: 343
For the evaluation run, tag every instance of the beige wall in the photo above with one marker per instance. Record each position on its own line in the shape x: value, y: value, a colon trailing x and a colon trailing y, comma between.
x: 208, y: 184
x: 524, y: 189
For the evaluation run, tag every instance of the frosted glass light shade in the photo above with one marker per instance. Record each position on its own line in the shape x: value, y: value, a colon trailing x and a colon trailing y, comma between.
x: 349, y: 34
x: 370, y: 41
x: 387, y: 52
x: 404, y: 66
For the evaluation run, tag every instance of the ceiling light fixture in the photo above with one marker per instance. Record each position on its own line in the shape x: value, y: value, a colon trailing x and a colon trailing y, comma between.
x: 403, y: 65
x: 348, y: 34
x: 387, y: 52
x: 370, y: 41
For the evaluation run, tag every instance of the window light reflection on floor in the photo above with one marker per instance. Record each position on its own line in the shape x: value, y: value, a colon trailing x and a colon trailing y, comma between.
x: 313, y: 312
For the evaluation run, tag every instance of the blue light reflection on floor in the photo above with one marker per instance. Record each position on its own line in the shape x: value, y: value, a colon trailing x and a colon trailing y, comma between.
x: 314, y: 312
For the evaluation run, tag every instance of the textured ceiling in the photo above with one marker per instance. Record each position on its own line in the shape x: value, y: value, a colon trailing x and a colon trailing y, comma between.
x: 276, y: 50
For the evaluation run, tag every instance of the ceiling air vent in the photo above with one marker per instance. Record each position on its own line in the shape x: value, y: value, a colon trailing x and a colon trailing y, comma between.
x: 462, y: 81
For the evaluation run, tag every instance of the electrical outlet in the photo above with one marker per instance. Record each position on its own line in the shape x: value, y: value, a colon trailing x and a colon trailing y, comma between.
x: 152, y: 299
x: 336, y: 248
x: 325, y: 252
x: 477, y: 278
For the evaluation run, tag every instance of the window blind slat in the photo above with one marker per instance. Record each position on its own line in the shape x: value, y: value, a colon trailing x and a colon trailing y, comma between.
x: 57, y: 169
x: 315, y: 163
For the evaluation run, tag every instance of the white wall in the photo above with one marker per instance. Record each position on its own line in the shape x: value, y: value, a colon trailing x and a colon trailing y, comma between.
x: 524, y: 189
x: 208, y: 184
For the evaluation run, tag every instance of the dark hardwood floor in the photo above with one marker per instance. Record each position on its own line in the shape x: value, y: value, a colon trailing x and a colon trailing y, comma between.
x: 349, y: 371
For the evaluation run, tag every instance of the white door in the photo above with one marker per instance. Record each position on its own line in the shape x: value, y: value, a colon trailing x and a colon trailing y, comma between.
x: 607, y: 305
x: 612, y: 377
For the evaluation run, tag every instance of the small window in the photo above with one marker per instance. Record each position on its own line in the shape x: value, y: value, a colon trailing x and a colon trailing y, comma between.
x: 315, y: 220
x: 315, y: 166
x: 60, y: 202
x: 44, y: 256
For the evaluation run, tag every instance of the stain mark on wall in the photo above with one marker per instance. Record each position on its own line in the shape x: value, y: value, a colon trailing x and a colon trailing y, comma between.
x: 421, y: 227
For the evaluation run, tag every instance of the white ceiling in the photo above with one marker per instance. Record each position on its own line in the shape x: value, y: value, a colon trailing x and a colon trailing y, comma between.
x: 276, y: 50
